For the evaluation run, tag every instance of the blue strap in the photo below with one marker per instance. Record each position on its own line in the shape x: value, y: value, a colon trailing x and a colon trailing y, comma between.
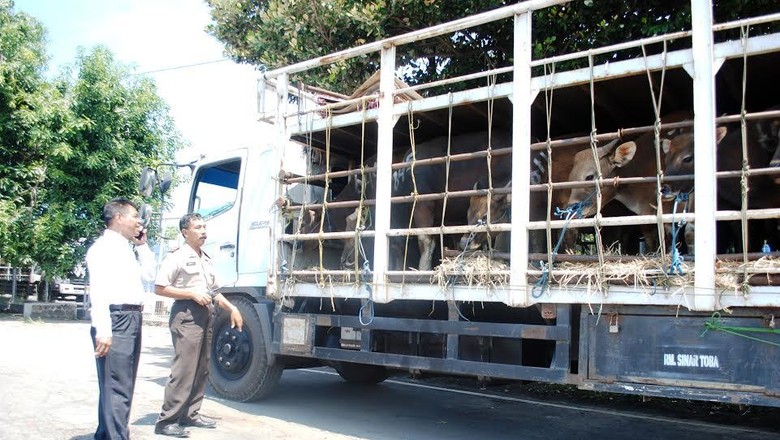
x: 572, y: 211
x: 675, y: 266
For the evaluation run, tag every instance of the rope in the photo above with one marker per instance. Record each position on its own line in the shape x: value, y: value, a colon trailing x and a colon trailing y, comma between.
x: 599, y: 176
x: 320, y: 240
x: 572, y: 211
x: 743, y: 180
x: 413, y: 144
x: 715, y: 323
x: 491, y: 82
x: 675, y: 267
x: 459, y: 259
x: 446, y: 173
x: 657, y: 145
x: 360, y: 223
x: 365, y: 276
x: 548, y: 105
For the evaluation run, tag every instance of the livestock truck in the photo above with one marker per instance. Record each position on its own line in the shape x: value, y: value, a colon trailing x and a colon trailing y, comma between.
x: 324, y: 245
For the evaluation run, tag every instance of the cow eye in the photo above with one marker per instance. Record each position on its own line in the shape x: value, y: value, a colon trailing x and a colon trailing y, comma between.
x: 687, y: 159
x: 589, y: 177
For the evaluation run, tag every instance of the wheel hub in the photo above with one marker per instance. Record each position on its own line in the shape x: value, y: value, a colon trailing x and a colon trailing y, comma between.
x: 233, y: 351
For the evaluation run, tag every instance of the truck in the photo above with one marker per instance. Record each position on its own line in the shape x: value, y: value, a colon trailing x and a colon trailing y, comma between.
x: 667, y: 326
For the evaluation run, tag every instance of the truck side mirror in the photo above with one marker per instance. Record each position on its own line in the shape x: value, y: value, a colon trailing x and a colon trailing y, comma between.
x: 165, y: 181
x: 146, y: 214
x: 147, y: 181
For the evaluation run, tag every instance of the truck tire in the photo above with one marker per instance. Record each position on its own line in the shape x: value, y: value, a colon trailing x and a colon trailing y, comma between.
x: 239, y: 369
x: 362, y: 374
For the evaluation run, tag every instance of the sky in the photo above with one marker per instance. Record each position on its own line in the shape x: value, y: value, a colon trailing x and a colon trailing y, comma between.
x: 213, y: 103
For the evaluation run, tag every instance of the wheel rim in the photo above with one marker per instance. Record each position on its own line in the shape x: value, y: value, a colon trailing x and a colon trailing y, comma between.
x: 232, y: 352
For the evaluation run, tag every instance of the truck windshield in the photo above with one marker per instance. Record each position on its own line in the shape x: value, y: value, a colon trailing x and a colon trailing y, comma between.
x: 216, y: 188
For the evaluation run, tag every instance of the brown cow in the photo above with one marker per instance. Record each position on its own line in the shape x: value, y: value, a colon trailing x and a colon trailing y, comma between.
x: 761, y: 148
x: 500, y: 204
x: 627, y: 159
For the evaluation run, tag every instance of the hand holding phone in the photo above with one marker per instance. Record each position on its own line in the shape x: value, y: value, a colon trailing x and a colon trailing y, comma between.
x: 140, y: 238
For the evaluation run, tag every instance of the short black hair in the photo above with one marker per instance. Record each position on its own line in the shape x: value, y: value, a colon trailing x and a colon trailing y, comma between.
x: 185, y: 221
x: 116, y: 206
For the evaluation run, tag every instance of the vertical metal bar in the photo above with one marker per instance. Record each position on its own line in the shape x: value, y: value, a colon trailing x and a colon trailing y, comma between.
x: 384, y: 161
x: 453, y: 339
x: 521, y: 160
x: 277, y: 225
x: 261, y: 82
x: 704, y: 154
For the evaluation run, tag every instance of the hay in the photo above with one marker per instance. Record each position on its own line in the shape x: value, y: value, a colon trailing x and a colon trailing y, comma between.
x: 473, y: 271
x: 639, y: 273
x: 730, y: 275
x: 650, y: 272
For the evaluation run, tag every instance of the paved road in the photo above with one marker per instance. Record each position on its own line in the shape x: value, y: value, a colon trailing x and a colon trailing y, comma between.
x: 49, y: 391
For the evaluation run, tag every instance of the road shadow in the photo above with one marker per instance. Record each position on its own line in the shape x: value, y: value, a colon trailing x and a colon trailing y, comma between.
x: 163, y: 356
x: 146, y: 420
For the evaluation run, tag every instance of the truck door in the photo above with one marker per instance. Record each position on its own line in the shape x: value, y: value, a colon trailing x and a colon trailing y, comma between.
x: 215, y: 195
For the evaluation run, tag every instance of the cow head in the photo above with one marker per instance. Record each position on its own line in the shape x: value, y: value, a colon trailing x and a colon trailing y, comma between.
x: 611, y: 158
x: 478, y: 212
x: 679, y: 161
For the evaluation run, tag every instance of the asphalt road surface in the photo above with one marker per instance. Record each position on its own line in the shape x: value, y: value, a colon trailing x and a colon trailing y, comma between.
x: 48, y: 390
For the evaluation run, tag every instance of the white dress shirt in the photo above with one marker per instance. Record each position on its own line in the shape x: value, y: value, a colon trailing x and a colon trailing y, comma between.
x: 116, y: 277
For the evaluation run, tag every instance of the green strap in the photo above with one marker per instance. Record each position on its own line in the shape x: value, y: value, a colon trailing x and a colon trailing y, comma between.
x: 715, y: 323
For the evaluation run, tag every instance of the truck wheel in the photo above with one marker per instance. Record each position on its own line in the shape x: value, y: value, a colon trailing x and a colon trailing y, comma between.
x: 239, y: 369
x: 361, y: 374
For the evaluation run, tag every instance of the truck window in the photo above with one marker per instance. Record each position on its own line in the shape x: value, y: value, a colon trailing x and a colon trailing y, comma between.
x: 216, y: 188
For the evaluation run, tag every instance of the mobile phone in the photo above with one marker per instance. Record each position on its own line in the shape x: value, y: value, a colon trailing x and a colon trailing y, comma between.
x: 140, y: 235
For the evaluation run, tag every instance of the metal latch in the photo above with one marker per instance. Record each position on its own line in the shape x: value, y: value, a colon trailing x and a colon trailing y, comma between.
x: 614, y: 326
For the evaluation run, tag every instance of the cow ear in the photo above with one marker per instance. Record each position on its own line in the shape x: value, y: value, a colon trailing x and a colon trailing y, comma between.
x: 606, y: 149
x: 624, y: 153
x: 666, y: 145
x: 720, y: 133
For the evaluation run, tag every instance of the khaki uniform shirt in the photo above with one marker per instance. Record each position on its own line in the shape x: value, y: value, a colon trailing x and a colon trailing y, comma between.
x: 183, y: 268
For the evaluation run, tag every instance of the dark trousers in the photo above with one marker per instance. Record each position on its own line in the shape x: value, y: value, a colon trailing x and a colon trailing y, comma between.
x: 190, y: 325
x: 116, y: 373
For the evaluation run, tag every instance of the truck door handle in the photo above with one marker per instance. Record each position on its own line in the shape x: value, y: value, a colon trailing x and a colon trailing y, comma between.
x: 227, y: 246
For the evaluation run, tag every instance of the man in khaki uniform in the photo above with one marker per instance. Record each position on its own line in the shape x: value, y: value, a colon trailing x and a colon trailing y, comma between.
x: 188, y: 276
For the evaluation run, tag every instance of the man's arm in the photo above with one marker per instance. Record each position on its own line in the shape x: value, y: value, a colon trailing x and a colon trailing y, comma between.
x: 99, y: 267
x: 236, y: 320
x: 202, y: 298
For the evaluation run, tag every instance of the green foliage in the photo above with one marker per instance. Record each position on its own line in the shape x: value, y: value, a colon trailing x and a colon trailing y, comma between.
x: 32, y: 115
x: 120, y: 126
x: 275, y: 33
x: 69, y: 145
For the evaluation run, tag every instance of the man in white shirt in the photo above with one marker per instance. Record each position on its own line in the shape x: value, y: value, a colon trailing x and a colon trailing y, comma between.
x: 116, y: 278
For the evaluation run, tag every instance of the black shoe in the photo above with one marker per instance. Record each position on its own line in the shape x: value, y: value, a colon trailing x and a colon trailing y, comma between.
x: 198, y: 422
x: 172, y: 430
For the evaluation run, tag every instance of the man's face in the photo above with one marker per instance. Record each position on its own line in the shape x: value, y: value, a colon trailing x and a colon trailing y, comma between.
x: 129, y: 222
x: 195, y: 233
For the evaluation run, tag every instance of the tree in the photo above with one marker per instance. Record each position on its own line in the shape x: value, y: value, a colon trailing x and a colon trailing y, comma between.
x: 32, y: 117
x: 274, y: 33
x: 69, y: 145
x: 119, y: 127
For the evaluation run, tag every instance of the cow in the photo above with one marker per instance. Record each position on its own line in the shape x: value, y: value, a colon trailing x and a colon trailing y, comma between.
x: 762, y: 147
x: 428, y: 179
x: 500, y: 204
x: 767, y: 133
x: 627, y: 159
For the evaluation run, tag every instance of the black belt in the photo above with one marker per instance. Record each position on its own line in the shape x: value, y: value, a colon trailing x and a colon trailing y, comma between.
x: 126, y: 308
